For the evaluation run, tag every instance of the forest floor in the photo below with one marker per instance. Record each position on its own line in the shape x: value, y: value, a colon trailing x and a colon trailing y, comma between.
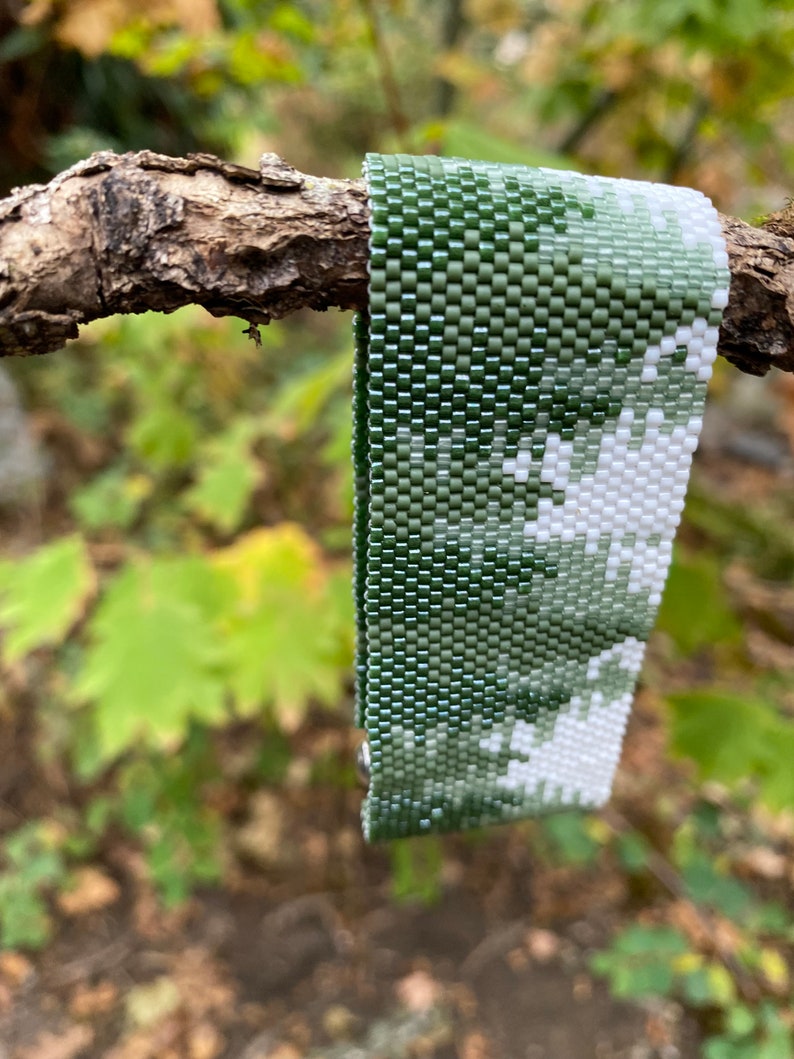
x: 316, y: 946
x: 306, y: 951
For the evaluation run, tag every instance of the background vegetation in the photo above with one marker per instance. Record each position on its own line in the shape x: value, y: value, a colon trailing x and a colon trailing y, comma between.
x: 175, y: 503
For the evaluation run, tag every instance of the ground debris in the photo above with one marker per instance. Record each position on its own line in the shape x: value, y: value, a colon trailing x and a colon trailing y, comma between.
x: 67, y: 1044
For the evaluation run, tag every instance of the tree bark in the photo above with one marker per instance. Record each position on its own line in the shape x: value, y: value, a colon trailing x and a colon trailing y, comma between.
x: 134, y: 232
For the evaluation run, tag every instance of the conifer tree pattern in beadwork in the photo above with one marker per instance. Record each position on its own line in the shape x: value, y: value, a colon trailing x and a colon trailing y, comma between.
x: 529, y: 388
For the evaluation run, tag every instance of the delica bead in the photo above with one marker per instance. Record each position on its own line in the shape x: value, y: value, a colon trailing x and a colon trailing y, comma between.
x: 529, y: 388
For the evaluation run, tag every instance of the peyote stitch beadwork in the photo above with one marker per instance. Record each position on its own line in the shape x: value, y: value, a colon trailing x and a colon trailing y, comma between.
x: 529, y: 386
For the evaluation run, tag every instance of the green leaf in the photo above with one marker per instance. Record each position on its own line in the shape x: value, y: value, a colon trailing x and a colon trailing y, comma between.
x: 757, y: 532
x: 696, y: 610
x: 290, y: 20
x: 164, y: 436
x: 33, y: 863
x: 20, y: 42
x: 468, y: 139
x: 638, y: 940
x: 113, y: 498
x: 229, y: 474
x: 777, y: 779
x: 42, y: 596
x: 732, y: 738
x: 641, y: 961
x: 743, y: 19
x: 740, y: 1021
x: 416, y: 867
x: 721, y: 1048
x: 154, y: 660
x: 707, y: 886
x: 185, y: 853
x: 696, y: 988
x: 633, y: 850
x: 569, y: 839
x: 249, y: 63
x: 24, y: 919
x: 778, y: 1045
x: 726, y: 735
x: 300, y: 403
x: 287, y: 641
x: 769, y: 917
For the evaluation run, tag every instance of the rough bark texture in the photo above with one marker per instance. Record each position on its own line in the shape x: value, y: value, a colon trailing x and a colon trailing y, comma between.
x: 128, y: 233
x: 757, y: 330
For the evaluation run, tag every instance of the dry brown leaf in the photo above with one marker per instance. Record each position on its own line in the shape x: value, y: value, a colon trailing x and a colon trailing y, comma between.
x: 418, y: 991
x: 178, y: 1014
x: 685, y: 916
x: 194, y: 16
x: 65, y: 1045
x: 582, y: 988
x: 517, y: 959
x: 767, y: 652
x: 92, y: 891
x: 316, y: 848
x: 203, y: 989
x: 338, y: 1022
x: 465, y: 1000
x: 90, y: 25
x: 658, y: 1031
x: 35, y: 11
x: 475, y: 1046
x: 500, y: 16
x: 765, y: 862
x: 87, y: 1001
x: 159, y: 1042
x: 15, y: 969
x: 542, y: 945
x: 151, y: 1002
x: 205, y: 1042
x: 262, y: 838
x: 711, y: 934
x: 284, y: 1051
x: 727, y: 937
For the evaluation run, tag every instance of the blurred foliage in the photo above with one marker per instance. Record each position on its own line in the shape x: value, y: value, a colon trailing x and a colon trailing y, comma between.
x: 722, y: 948
x: 416, y: 865
x: 33, y: 863
x: 188, y: 564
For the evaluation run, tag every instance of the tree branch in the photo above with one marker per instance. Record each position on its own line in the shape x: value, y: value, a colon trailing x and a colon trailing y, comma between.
x: 127, y: 233
x: 133, y: 232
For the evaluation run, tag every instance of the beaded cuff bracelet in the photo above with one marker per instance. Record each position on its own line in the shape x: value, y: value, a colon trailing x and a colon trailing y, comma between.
x: 529, y: 386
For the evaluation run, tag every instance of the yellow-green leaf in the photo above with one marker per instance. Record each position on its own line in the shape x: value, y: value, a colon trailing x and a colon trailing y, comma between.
x: 154, y: 660
x: 722, y: 986
x: 774, y: 968
x: 286, y: 638
x: 43, y: 595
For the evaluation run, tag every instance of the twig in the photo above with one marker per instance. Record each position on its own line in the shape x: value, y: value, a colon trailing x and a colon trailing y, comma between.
x: 391, y: 89
x: 452, y: 27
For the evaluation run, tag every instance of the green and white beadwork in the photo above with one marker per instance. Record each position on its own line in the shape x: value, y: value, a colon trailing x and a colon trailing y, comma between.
x: 530, y: 381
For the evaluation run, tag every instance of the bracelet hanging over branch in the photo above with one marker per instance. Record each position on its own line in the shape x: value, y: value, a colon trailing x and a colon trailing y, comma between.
x: 143, y: 231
